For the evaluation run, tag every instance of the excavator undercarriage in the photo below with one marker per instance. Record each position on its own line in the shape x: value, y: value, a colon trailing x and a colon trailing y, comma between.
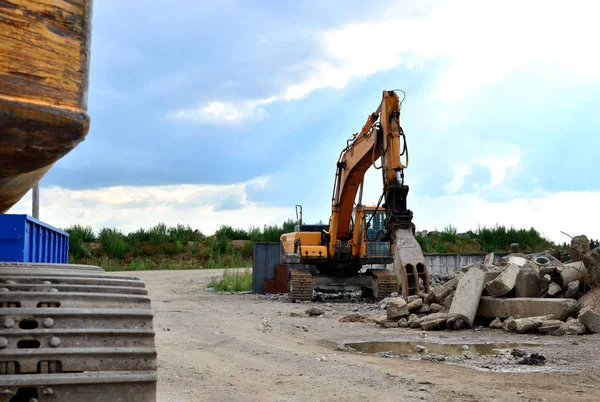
x: 73, y: 333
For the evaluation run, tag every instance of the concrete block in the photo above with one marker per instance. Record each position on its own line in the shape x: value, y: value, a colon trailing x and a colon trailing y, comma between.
x: 492, y: 307
x: 527, y: 282
x: 397, y: 308
x: 505, y: 282
x: 574, y: 271
x: 591, y: 319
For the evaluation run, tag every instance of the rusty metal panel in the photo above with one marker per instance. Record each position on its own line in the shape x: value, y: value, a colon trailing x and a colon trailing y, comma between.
x: 266, y: 256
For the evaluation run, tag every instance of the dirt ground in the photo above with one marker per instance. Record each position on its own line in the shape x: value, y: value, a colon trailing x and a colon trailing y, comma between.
x: 215, y: 346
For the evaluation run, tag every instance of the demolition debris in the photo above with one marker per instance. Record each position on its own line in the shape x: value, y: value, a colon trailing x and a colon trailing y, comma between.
x: 523, y: 293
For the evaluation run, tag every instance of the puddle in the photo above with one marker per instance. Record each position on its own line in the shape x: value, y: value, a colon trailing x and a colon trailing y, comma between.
x: 458, y: 349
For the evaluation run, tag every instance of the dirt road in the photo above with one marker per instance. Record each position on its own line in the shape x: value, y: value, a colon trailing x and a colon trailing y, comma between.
x: 217, y: 347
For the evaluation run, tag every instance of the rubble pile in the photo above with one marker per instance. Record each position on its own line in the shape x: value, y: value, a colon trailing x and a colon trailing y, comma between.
x: 543, y: 293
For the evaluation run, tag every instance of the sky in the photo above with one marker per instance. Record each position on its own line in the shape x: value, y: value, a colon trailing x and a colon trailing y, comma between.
x: 232, y: 112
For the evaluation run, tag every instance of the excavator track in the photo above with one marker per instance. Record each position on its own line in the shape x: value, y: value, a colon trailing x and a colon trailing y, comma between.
x: 384, y: 283
x: 300, y: 285
x: 74, y: 333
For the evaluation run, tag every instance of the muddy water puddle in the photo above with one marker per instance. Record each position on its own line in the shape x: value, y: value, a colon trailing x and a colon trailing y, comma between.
x: 455, y: 349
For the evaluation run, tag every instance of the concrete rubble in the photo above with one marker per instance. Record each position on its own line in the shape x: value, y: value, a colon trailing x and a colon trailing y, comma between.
x: 548, y: 293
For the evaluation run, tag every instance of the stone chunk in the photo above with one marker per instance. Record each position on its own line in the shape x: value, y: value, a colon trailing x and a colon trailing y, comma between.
x: 529, y: 324
x: 412, y: 298
x: 573, y: 326
x: 433, y: 321
x: 554, y: 290
x: 504, y: 283
x: 424, y: 309
x: 572, y: 289
x: 390, y: 324
x: 440, y: 293
x: 591, y: 261
x: 403, y: 323
x: 580, y: 246
x: 527, y: 282
x: 315, y: 311
x: 413, y: 321
x: 591, y: 319
x: 397, y: 308
x: 492, y: 307
x: 496, y: 324
x: 436, y: 308
x: 414, y: 305
x: 489, y: 260
x: 573, y: 271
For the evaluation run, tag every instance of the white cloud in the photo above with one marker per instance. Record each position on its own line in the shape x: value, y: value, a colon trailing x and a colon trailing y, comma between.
x: 228, y: 112
x: 130, y: 208
x: 480, y: 43
x: 468, y: 211
x: 459, y: 172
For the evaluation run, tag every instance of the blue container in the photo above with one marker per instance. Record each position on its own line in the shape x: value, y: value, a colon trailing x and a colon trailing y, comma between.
x: 26, y: 239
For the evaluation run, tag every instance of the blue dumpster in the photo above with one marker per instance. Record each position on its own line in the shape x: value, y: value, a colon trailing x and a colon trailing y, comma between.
x: 26, y: 239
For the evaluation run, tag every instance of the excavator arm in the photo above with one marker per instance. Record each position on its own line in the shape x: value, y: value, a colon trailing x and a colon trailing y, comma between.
x: 381, y: 137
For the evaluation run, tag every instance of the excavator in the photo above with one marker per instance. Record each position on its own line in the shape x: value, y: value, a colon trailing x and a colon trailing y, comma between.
x: 334, y: 256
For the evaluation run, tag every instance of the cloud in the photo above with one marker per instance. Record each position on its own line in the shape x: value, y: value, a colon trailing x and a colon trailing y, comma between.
x: 224, y: 112
x: 471, y: 43
x: 205, y: 207
x: 468, y: 211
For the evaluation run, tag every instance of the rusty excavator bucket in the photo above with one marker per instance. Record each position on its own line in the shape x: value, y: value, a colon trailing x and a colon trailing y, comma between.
x: 409, y: 264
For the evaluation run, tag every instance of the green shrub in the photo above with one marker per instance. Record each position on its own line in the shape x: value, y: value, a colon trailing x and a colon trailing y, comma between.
x: 78, y: 236
x: 233, y: 281
x: 113, y: 242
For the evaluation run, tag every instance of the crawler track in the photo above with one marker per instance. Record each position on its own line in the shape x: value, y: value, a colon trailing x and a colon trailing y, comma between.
x: 300, y: 285
x: 384, y: 283
x: 74, y: 333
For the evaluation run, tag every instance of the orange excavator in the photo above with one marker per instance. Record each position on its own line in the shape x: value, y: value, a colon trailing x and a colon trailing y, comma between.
x: 334, y: 256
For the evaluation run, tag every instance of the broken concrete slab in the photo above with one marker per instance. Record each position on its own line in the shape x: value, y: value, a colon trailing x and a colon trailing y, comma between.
x: 591, y: 260
x: 448, y: 301
x: 434, y: 321
x: 424, y: 309
x: 489, y: 260
x: 590, y: 318
x: 572, y: 289
x: 439, y: 294
x: 504, y: 283
x: 573, y: 326
x: 574, y: 271
x: 527, y: 282
x: 413, y: 321
x: 415, y: 304
x: 496, y: 324
x: 397, y: 308
x: 528, y: 324
x: 412, y: 298
x: 492, y: 307
x: 580, y: 246
x: 554, y: 289
x: 466, y: 299
x: 436, y: 308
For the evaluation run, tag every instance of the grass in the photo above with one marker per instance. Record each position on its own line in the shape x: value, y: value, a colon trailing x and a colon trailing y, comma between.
x: 233, y: 281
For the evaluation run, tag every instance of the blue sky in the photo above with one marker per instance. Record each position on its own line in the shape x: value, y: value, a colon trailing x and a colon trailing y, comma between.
x: 234, y: 111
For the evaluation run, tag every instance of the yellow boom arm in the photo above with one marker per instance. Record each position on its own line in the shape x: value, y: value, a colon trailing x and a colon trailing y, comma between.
x: 375, y: 140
